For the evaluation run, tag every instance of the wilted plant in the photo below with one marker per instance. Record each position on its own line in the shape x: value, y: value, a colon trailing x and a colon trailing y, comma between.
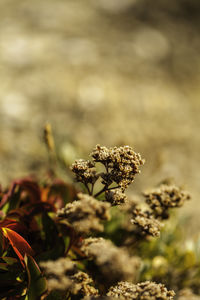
x: 58, y: 243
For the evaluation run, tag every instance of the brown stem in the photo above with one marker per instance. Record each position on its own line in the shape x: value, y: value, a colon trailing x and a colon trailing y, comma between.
x: 100, y: 192
x: 106, y: 189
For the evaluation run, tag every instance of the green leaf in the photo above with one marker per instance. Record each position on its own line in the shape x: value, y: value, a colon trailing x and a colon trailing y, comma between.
x: 10, y: 260
x: 3, y: 266
x: 50, y: 230
x: 37, y: 283
x: 54, y: 243
x: 55, y: 295
x: 14, y: 197
x: 11, y: 282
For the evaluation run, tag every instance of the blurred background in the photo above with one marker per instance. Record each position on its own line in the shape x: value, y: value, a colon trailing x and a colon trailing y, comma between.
x: 112, y: 72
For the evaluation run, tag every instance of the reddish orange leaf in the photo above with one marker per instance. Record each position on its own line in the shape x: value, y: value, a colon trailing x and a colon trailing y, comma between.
x: 18, y: 243
x: 8, y: 223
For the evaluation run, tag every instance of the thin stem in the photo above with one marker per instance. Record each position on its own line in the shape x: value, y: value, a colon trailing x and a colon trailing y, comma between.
x: 87, y: 187
x: 106, y: 188
x: 114, y: 187
x: 101, y: 191
x: 92, y: 189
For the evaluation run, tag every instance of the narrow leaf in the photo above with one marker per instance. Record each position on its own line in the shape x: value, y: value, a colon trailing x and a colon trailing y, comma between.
x: 18, y: 243
x: 37, y: 283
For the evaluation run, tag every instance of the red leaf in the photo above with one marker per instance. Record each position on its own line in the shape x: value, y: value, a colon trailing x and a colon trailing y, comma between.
x: 9, y: 223
x: 26, y: 184
x: 8, y: 195
x: 18, y: 243
x: 29, y: 185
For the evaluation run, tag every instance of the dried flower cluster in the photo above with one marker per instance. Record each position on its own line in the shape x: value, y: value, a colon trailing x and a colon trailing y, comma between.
x: 116, y: 197
x: 121, y: 163
x: 63, y: 231
x: 63, y: 275
x: 85, y: 214
x: 114, y: 264
x: 146, y: 222
x: 141, y: 291
x: 187, y: 294
x: 165, y: 197
x: 99, y: 298
x: 85, y: 171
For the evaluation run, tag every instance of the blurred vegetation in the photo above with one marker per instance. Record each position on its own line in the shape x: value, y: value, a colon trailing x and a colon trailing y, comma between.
x: 36, y: 231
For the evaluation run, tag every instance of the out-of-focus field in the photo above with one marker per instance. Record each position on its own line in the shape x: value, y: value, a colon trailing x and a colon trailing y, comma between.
x: 102, y: 71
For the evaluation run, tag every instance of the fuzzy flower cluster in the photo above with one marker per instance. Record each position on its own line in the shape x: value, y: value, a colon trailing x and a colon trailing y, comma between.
x: 116, y: 197
x: 99, y: 298
x: 165, y: 197
x: 142, y: 291
x: 146, y: 222
x: 85, y: 214
x: 187, y: 294
x: 84, y: 171
x: 121, y: 163
x: 62, y: 275
x: 113, y: 264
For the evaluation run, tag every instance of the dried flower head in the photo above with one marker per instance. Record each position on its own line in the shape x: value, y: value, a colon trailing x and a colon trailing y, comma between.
x: 99, y: 298
x: 63, y: 275
x: 113, y: 263
x: 187, y: 294
x: 116, y: 197
x: 121, y: 163
x: 165, y: 197
x: 85, y: 214
x: 146, y: 222
x: 141, y: 291
x: 83, y: 281
x: 85, y: 171
x: 58, y: 274
x: 101, y: 154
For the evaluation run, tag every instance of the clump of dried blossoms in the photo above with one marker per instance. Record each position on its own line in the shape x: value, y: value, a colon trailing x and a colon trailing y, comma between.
x: 121, y: 164
x: 108, y: 264
x: 161, y: 199
x: 85, y: 214
x: 187, y: 294
x: 141, y: 291
x: 63, y: 275
x: 113, y: 263
x: 116, y: 197
x: 146, y: 222
x: 85, y: 171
